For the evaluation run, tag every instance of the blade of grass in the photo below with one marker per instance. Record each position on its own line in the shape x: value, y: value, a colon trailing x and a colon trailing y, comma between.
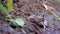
x: 10, y: 5
x: 48, y: 8
x: 18, y: 21
x: 58, y: 18
x: 3, y: 9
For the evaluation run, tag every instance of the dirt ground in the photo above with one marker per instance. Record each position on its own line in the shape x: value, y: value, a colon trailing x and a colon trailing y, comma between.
x: 34, y: 14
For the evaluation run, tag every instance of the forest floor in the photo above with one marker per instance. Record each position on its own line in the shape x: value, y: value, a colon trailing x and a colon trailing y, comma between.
x: 34, y: 15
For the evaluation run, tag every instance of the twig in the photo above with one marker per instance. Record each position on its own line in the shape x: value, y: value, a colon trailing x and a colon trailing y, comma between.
x: 50, y: 10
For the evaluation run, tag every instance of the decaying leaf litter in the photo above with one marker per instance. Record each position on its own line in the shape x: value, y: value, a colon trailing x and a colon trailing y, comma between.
x: 35, y: 16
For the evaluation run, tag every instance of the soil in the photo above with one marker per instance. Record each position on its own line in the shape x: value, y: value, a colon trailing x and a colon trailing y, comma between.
x: 34, y: 15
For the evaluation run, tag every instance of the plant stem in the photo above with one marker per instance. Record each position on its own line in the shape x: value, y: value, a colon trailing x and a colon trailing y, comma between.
x: 54, y: 14
x: 23, y: 30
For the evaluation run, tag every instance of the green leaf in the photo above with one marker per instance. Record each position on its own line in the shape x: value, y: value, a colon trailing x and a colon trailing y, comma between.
x: 13, y: 22
x: 3, y: 9
x: 10, y: 5
x: 20, y: 22
x: 58, y: 19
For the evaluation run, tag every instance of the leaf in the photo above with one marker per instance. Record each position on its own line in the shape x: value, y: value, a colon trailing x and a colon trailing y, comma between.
x: 58, y: 19
x: 20, y: 22
x: 3, y: 9
x: 10, y: 6
x: 13, y: 22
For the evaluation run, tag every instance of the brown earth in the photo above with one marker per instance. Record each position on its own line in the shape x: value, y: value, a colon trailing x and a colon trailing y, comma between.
x: 34, y: 14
